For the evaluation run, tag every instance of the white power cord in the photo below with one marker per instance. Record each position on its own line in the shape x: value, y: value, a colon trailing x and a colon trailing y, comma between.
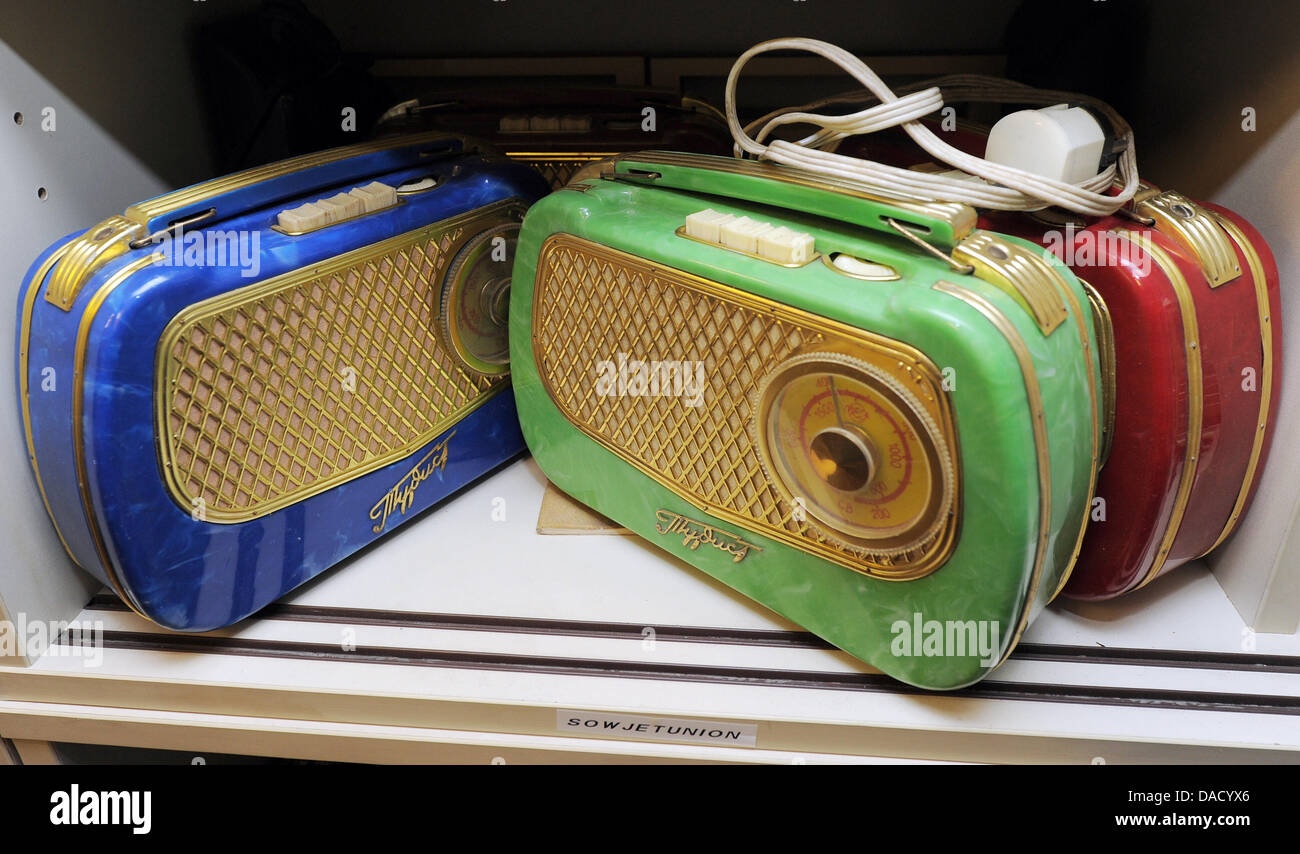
x: 1003, y: 187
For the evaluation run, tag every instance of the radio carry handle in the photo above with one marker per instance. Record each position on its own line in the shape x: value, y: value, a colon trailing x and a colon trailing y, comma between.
x: 938, y: 225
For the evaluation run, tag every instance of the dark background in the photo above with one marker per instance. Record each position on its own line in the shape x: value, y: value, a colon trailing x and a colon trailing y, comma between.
x: 1181, y: 70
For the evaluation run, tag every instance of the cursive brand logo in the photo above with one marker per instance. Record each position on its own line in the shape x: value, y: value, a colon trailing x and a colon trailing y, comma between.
x: 403, y: 492
x: 694, y: 533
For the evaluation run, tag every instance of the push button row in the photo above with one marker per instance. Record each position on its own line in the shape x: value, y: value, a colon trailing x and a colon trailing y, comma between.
x: 373, y: 197
x: 778, y: 244
x: 520, y: 124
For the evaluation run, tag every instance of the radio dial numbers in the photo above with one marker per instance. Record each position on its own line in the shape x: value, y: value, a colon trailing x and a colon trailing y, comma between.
x: 850, y: 444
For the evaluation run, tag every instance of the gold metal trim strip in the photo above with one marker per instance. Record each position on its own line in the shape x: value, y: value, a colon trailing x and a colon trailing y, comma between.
x: 915, y: 363
x: 961, y: 218
x: 681, y: 232
x: 1039, y: 424
x: 1193, y: 227
x: 1195, y: 396
x: 100, y: 244
x: 24, y: 383
x: 96, y: 247
x: 78, y: 405
x: 1021, y: 273
x: 1106, y: 344
x: 146, y: 211
x: 1256, y: 266
x: 1094, y: 409
x: 561, y: 155
x: 509, y: 210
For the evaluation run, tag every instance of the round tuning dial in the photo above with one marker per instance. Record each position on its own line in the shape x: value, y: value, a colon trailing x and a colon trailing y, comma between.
x: 852, y: 446
x: 476, y: 300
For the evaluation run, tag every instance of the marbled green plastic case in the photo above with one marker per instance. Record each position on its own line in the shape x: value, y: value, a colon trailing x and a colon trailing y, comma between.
x: 896, y: 452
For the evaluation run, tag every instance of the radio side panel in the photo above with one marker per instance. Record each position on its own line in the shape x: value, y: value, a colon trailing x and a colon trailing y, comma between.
x: 1139, y: 484
x: 1246, y: 382
x: 47, y: 388
x: 1147, y: 296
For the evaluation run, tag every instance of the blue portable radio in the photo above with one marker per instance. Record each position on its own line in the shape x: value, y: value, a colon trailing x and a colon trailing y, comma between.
x: 230, y: 388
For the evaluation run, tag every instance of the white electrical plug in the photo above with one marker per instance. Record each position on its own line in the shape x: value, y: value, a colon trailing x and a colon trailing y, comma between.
x: 1061, y: 142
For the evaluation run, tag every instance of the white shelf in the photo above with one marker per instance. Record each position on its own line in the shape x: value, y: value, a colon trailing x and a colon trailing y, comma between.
x: 470, y: 634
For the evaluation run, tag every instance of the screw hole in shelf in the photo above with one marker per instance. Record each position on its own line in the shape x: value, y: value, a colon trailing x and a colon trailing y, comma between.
x: 18, y: 118
x: 41, y: 193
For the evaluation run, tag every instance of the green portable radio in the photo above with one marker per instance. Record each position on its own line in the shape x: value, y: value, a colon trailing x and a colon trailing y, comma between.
x: 862, y: 412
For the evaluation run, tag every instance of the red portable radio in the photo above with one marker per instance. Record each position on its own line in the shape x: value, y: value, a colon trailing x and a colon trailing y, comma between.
x: 1186, y: 301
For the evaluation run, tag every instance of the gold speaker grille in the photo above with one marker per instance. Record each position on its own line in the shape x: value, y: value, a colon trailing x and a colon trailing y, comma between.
x: 593, y: 303
x: 286, y: 388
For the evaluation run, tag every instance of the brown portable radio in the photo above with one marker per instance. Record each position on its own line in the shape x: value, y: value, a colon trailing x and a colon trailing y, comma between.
x: 558, y: 131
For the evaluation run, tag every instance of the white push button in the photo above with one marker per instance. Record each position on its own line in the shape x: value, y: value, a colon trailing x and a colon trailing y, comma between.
x: 575, y: 124
x: 786, y: 246
x: 742, y: 233
x: 417, y: 185
x: 862, y: 268
x: 306, y: 217
x: 704, y: 225
x: 341, y: 206
x: 376, y: 196
x: 337, y: 208
x: 513, y: 124
x: 778, y: 244
x: 551, y: 123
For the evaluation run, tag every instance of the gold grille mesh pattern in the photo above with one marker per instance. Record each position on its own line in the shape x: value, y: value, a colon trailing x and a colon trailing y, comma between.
x: 286, y: 388
x: 593, y: 303
x: 558, y: 170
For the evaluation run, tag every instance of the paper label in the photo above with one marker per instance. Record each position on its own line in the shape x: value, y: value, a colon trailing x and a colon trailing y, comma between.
x: 613, y: 725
